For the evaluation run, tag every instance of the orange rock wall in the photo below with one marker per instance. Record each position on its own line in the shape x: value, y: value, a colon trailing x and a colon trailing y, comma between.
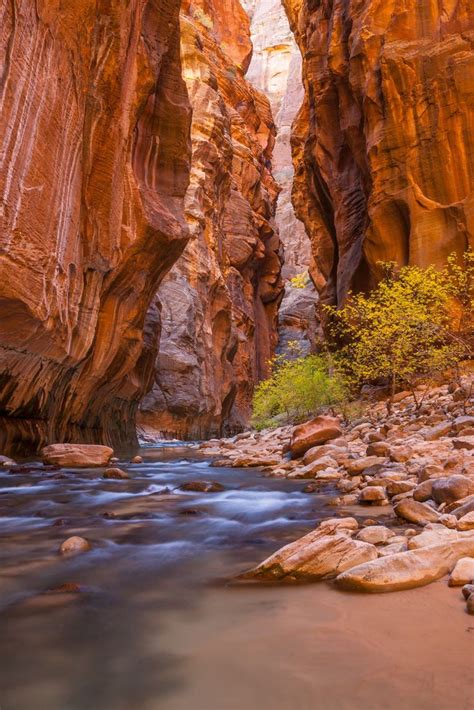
x: 383, y: 146
x: 95, y: 163
x: 219, y: 303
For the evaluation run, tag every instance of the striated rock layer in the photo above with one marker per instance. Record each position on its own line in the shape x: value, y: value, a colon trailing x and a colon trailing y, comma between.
x: 95, y: 164
x: 383, y: 145
x: 275, y: 69
x: 219, y: 303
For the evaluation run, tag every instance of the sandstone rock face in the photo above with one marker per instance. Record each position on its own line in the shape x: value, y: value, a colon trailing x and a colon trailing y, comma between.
x: 275, y: 69
x: 95, y: 164
x: 383, y: 143
x: 219, y: 303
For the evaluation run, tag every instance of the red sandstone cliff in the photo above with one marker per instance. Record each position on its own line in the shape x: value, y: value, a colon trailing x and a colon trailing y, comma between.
x: 383, y: 146
x: 219, y: 303
x: 95, y: 165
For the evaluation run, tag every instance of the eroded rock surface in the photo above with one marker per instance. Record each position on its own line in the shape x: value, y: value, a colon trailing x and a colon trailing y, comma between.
x: 95, y: 164
x: 219, y: 303
x: 383, y: 143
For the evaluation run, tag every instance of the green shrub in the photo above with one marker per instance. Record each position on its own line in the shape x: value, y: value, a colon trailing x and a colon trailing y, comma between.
x: 407, y: 328
x: 296, y: 390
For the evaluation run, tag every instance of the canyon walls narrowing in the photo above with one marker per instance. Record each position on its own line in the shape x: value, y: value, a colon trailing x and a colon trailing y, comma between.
x: 95, y: 164
x: 275, y: 69
x: 383, y: 145
x: 219, y: 303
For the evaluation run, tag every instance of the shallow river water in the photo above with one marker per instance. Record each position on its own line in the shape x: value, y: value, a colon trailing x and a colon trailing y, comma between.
x: 156, y: 624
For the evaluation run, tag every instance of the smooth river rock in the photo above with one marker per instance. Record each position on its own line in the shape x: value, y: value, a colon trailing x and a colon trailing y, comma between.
x: 77, y: 455
x: 406, y: 570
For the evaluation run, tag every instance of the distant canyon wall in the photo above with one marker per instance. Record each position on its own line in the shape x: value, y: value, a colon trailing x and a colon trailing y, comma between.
x: 276, y: 69
x: 219, y: 303
x: 383, y: 146
x: 95, y: 158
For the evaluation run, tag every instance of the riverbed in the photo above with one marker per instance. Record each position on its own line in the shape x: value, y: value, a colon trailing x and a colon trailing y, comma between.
x: 150, y: 619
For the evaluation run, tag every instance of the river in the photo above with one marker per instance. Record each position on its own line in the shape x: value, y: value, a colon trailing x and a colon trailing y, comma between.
x: 156, y: 625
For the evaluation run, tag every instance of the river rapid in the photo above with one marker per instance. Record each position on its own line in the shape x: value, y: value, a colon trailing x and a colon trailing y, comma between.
x: 150, y: 619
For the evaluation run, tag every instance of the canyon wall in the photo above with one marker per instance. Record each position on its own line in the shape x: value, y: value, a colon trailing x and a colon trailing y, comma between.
x: 275, y: 69
x: 219, y: 303
x: 95, y: 164
x: 383, y: 145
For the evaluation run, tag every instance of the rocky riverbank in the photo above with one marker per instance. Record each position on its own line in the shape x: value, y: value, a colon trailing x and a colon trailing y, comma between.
x: 413, y: 469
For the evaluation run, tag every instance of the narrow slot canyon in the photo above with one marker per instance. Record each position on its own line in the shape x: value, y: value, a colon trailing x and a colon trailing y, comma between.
x: 236, y: 354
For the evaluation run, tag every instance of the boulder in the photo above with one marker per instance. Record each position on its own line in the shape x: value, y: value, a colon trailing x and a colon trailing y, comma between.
x: 467, y: 590
x: 77, y: 455
x: 463, y: 422
x: 202, y: 486
x: 374, y: 495
x: 438, y: 431
x: 451, y: 488
x: 394, y: 488
x: 317, y: 452
x: 317, y: 431
x: 463, y: 572
x: 115, y: 473
x: 406, y: 570
x: 137, y: 459
x: 470, y: 604
x: 466, y: 442
x: 74, y: 545
x: 466, y: 522
x: 415, y: 512
x: 356, y: 466
x: 322, y: 553
x: 375, y: 534
x: 423, y: 491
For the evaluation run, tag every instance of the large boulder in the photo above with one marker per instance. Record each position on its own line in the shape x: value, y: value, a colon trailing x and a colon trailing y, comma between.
x: 77, y: 455
x: 406, y: 570
x: 451, y: 488
x: 322, y: 553
x: 317, y: 431
x: 415, y: 512
x: 463, y: 572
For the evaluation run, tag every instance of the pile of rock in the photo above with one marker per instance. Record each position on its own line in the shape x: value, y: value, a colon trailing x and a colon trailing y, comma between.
x: 415, y: 466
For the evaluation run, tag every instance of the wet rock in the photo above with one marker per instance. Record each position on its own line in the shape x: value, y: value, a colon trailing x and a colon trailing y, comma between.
x: 77, y: 455
x: 115, y: 473
x: 322, y: 553
x: 202, y: 486
x: 405, y: 570
x: 6, y: 461
x: 452, y: 488
x: 415, y: 512
x: 470, y: 604
x: 74, y: 545
x: 317, y: 431
x: 137, y: 459
x: 463, y: 572
x: 467, y: 590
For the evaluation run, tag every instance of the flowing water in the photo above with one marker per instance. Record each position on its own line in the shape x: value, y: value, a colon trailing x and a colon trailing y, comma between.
x: 152, y: 622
